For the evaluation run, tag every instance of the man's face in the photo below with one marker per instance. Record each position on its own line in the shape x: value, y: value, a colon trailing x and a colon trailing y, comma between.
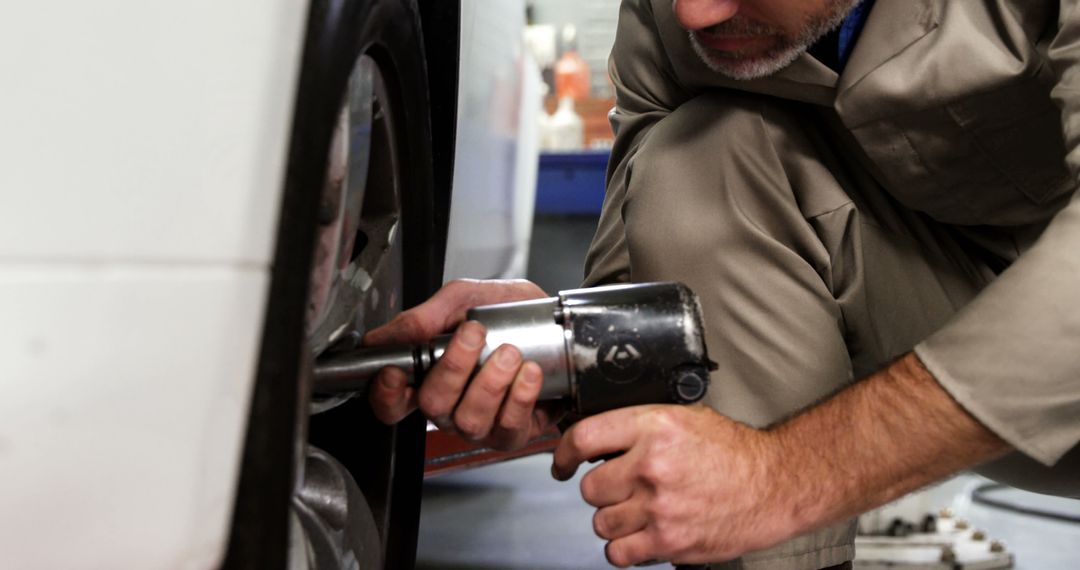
x: 748, y: 39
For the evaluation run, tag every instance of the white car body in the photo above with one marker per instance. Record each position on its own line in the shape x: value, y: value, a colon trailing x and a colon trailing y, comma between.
x: 143, y: 147
x: 495, y: 167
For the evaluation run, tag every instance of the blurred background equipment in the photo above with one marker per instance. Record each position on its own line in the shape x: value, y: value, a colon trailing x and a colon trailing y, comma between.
x: 572, y: 78
x: 570, y: 41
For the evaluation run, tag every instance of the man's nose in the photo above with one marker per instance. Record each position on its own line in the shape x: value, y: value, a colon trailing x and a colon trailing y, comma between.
x: 700, y: 14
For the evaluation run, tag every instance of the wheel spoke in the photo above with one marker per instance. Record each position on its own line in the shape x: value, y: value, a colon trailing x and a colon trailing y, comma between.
x: 356, y: 283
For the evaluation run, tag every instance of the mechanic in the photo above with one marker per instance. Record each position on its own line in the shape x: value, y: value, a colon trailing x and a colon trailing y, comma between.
x: 897, y: 210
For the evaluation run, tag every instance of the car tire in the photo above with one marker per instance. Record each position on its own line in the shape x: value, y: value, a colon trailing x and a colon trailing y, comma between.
x: 386, y: 462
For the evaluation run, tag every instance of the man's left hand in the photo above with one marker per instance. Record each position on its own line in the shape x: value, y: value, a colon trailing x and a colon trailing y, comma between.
x: 690, y: 485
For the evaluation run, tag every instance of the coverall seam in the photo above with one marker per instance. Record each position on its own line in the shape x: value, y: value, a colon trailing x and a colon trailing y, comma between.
x: 760, y: 117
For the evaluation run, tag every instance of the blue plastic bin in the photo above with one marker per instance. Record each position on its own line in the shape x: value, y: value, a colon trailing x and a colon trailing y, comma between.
x: 571, y: 182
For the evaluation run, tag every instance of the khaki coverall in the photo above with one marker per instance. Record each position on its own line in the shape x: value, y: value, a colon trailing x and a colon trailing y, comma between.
x: 923, y: 199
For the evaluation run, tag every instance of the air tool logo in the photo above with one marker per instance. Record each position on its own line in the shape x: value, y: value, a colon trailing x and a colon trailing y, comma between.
x: 620, y: 359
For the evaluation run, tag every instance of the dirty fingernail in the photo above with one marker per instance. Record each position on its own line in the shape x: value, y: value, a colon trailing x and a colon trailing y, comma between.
x: 393, y: 381
x: 472, y: 335
x: 507, y: 357
x: 530, y: 374
x: 558, y: 475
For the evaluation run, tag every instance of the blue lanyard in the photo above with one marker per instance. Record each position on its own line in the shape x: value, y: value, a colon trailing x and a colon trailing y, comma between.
x: 850, y: 29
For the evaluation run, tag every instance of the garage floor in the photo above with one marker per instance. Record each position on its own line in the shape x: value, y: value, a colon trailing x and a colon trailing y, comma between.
x: 515, y: 516
x: 511, y: 515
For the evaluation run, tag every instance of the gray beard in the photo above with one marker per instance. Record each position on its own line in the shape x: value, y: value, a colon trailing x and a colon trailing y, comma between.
x: 744, y: 67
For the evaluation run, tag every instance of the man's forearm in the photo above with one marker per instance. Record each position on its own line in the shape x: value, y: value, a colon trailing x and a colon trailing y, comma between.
x: 885, y: 436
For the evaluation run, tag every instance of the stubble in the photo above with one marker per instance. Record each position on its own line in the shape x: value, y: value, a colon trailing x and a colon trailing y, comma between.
x: 784, y: 51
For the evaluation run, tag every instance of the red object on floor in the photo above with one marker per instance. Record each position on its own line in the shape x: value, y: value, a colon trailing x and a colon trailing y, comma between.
x: 447, y: 452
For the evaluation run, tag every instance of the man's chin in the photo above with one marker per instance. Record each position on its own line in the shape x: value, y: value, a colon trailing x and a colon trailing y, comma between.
x: 744, y: 67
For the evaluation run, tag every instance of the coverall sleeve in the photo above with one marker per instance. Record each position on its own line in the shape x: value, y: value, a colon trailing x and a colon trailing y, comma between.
x: 646, y: 91
x: 1012, y: 356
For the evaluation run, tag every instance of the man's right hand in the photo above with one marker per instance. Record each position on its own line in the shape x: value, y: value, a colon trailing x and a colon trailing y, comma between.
x: 498, y: 407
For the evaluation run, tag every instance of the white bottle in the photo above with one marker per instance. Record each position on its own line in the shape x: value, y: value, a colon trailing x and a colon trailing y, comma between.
x: 545, y: 133
x: 566, y: 130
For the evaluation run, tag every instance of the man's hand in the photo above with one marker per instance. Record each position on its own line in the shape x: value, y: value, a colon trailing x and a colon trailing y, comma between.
x: 691, y: 486
x: 695, y: 487
x: 498, y: 408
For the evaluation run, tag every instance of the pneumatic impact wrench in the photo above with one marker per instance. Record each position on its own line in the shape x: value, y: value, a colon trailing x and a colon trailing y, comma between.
x: 599, y: 349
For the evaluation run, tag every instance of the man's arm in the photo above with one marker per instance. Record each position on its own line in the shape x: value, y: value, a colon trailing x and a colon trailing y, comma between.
x: 1010, y: 357
x: 875, y: 441
x: 693, y: 486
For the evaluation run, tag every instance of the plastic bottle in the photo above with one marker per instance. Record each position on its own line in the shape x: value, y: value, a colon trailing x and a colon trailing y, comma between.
x: 565, y: 129
x: 571, y: 72
x: 544, y: 131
